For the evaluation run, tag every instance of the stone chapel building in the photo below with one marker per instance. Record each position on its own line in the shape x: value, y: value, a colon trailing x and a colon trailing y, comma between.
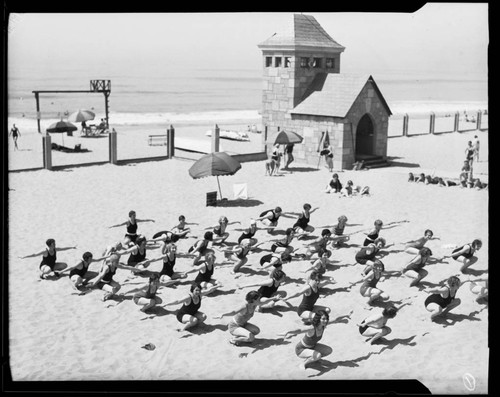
x: 304, y: 92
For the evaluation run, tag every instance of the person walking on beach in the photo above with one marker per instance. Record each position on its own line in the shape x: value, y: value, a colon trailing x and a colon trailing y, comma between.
x: 131, y: 225
x: 269, y: 288
x: 415, y: 268
x: 442, y: 299
x: 78, y: 272
x: 167, y: 274
x: 189, y: 314
x: 301, y: 226
x: 374, y: 326
x: 104, y: 280
x: 307, y: 308
x: 465, y: 254
x: 308, y: 347
x: 14, y: 131
x: 205, y: 271
x: 289, y: 154
x: 48, y: 266
x: 147, y: 297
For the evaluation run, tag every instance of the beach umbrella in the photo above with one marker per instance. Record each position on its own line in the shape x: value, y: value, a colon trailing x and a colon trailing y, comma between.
x: 81, y: 115
x: 285, y: 137
x: 61, y: 127
x: 214, y: 164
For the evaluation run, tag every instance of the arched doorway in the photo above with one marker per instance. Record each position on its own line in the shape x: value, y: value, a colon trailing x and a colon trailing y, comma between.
x: 365, y: 134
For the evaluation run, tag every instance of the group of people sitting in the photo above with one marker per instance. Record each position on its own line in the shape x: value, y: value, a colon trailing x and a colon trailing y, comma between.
x: 349, y: 190
x: 465, y: 180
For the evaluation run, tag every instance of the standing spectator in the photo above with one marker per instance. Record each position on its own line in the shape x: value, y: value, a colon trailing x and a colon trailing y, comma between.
x: 289, y: 154
x: 469, y: 153
x: 476, y: 148
x: 328, y: 153
x: 15, y: 134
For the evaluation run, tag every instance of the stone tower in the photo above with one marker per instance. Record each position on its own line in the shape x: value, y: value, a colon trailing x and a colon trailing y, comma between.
x: 291, y: 60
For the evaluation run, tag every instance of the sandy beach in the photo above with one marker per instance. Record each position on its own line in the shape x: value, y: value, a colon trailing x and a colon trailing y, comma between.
x: 57, y: 335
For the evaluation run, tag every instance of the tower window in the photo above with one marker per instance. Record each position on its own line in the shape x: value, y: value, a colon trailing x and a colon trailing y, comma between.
x: 269, y: 62
x: 277, y: 62
x: 330, y: 63
x: 288, y: 62
x: 303, y: 62
x: 317, y: 62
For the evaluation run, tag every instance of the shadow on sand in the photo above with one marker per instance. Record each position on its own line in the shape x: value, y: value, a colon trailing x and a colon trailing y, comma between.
x: 238, y: 203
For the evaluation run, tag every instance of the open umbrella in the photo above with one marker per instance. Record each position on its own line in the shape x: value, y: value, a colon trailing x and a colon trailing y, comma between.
x: 285, y: 137
x: 81, y: 115
x: 61, y: 127
x: 214, y: 164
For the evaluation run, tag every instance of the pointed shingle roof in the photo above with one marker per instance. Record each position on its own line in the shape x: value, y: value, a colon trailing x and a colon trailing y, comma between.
x: 333, y: 94
x: 303, y: 31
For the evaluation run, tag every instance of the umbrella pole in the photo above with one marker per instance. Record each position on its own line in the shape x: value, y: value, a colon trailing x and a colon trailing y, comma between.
x: 219, y: 187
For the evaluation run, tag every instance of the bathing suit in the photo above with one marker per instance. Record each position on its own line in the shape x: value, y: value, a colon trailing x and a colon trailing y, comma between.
x: 148, y: 294
x: 370, y: 238
x: 274, y: 218
x: 418, y: 266
x: 337, y: 230
x: 205, y: 277
x: 244, y: 251
x: 371, y: 283
x: 467, y: 255
x: 191, y: 309
x: 267, y: 291
x: 268, y: 258
x: 307, y: 342
x: 49, y: 260
x: 134, y: 259
x: 437, y: 298
x: 240, y: 319
x: 218, y: 230
x: 108, y: 276
x: 365, y: 254
x: 167, y: 233
x: 308, y: 301
x: 131, y: 231
x: 282, y: 243
x: 81, y: 272
x: 302, y: 222
x: 168, y: 266
x: 362, y: 329
x: 246, y: 235
x: 336, y: 185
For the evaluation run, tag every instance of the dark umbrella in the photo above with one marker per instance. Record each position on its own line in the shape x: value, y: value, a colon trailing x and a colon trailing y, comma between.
x: 61, y: 127
x: 214, y: 164
x: 81, y: 115
x: 285, y: 137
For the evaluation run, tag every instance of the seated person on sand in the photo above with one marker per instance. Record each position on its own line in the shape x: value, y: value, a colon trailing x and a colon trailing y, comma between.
x: 308, y: 347
x: 104, y: 280
x: 131, y: 223
x: 411, y: 177
x: 465, y: 254
x: 442, y: 299
x: 167, y: 274
x: 415, y: 268
x: 476, y: 183
x: 189, y: 314
x: 447, y: 182
x: 269, y: 288
x: 78, y: 272
x: 101, y: 127
x: 205, y: 274
x: 431, y: 180
x: 307, y: 308
x: 219, y: 230
x: 374, y: 326
x: 241, y: 330
x: 301, y: 226
x: 147, y: 297
x: 478, y: 286
x: 370, y: 278
x: 48, y: 266
x: 334, y: 186
x: 414, y: 246
x: 420, y: 178
x: 238, y: 254
x: 201, y: 247
x: 180, y: 229
x: 366, y: 255
x: 283, y: 245
x: 137, y: 253
x: 350, y: 190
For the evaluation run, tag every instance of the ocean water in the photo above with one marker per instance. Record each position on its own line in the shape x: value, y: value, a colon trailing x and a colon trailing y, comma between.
x: 159, y: 95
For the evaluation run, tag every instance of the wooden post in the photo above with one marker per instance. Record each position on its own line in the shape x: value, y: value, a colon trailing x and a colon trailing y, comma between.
x: 38, y: 115
x: 432, y: 123
x: 113, y: 152
x: 170, y: 142
x: 478, y: 120
x: 405, y: 125
x: 457, y: 118
x: 106, y: 107
x: 215, y: 139
x: 47, y: 152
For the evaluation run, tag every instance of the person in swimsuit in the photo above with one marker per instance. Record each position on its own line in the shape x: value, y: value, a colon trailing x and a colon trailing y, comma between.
x: 164, y: 236
x: 469, y: 153
x: 415, y: 268
x: 180, y: 229
x: 270, y: 218
x: 14, y: 131
x: 131, y: 224
x: 307, y: 308
x: 334, y: 185
x: 375, y: 326
x: 420, y: 178
x: 241, y: 330
x: 269, y: 287
x: 339, y: 238
x: 479, y: 287
x: 308, y: 347
x: 104, y: 280
x: 289, y: 154
x: 275, y: 260
x: 378, y: 226
x: 147, y: 298
x: 366, y: 255
x: 283, y: 245
x: 167, y: 274
x: 239, y: 255
x: 431, y: 180
x: 276, y: 156
x: 205, y: 271
x: 328, y: 153
x: 77, y: 272
x: 442, y: 299
x: 189, y: 314
x: 446, y: 183
x: 219, y: 231
x: 249, y: 233
x: 371, y: 277
x: 301, y: 226
x: 414, y: 246
x: 465, y: 254
x: 49, y: 267
x: 411, y: 177
x: 319, y: 245
x: 137, y: 253
x: 201, y: 247
x: 319, y: 265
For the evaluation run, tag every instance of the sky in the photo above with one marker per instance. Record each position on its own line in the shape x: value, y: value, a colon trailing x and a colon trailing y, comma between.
x: 439, y: 38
